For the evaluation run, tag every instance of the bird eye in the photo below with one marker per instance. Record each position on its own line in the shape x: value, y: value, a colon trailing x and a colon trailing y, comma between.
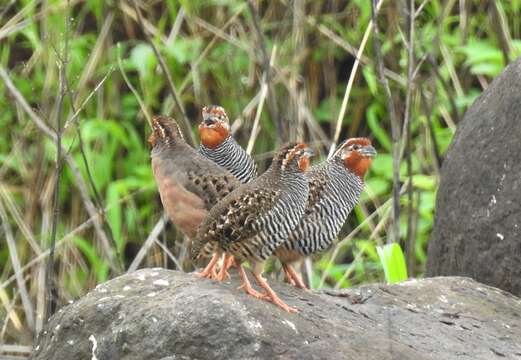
x: 356, y: 147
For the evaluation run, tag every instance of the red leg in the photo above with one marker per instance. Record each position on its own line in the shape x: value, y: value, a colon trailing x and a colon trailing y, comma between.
x: 209, y: 270
x: 293, y: 277
x: 227, y: 263
x: 271, y: 296
x: 246, y: 285
x: 287, y: 275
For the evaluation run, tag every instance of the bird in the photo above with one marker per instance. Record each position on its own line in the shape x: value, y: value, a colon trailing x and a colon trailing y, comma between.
x: 335, y: 186
x: 218, y: 145
x: 253, y: 220
x: 189, y: 183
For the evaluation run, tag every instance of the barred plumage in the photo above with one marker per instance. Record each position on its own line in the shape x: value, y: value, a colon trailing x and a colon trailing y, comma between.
x: 218, y: 145
x: 252, y: 221
x: 231, y: 156
x: 323, y: 220
x: 334, y: 189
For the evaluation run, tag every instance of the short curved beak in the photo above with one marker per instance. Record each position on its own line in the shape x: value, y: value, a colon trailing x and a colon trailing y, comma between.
x: 309, y: 152
x: 209, y: 121
x: 368, y: 151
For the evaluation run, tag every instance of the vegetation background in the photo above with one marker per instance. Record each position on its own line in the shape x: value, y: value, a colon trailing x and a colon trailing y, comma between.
x: 80, y: 79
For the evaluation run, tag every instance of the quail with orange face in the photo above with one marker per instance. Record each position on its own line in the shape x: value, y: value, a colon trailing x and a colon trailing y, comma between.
x: 189, y: 184
x: 255, y: 219
x: 218, y: 145
x: 335, y: 186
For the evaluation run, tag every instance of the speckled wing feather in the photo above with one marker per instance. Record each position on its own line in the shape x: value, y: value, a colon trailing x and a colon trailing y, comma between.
x: 189, y: 185
x: 209, y: 187
x: 241, y: 217
x: 317, y: 184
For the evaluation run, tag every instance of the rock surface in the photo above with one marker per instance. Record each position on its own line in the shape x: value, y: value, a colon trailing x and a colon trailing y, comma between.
x: 477, y: 229
x: 163, y: 314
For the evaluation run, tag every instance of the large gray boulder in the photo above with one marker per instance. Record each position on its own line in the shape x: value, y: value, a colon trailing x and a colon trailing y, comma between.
x: 477, y: 229
x: 162, y: 314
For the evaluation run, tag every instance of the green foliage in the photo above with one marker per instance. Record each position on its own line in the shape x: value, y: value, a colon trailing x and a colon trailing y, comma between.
x: 97, y: 266
x: 393, y: 262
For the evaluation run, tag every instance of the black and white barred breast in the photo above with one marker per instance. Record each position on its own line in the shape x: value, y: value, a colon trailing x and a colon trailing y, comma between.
x: 231, y: 156
x: 333, y: 193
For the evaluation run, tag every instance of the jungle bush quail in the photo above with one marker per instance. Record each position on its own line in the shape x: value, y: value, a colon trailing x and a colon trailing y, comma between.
x: 252, y: 221
x: 189, y: 183
x: 335, y: 186
x: 218, y: 145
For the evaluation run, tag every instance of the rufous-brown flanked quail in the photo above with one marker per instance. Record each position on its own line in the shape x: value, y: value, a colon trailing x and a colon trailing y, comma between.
x: 218, y: 145
x: 189, y: 183
x: 335, y: 186
x: 252, y: 221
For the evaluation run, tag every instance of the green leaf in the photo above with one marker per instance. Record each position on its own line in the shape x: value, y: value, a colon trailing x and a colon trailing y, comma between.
x: 393, y: 262
x: 325, y: 111
x: 368, y: 248
x: 114, y: 215
x: 99, y: 266
x: 382, y: 166
x: 184, y: 50
x: 375, y: 187
x: 370, y: 78
x: 489, y: 69
x: 376, y: 129
x: 143, y: 58
x: 424, y: 182
x: 483, y: 57
x: 479, y: 51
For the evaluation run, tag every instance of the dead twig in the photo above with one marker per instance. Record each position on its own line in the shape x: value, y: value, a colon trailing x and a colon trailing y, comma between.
x: 52, y: 292
x: 410, y: 244
x: 264, y: 90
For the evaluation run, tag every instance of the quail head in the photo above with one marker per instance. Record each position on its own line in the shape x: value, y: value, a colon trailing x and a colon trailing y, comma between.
x: 218, y: 145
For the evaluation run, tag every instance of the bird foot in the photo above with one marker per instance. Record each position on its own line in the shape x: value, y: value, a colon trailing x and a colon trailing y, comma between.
x: 290, y: 280
x: 293, y: 278
x: 222, y: 275
x: 211, y: 274
x: 227, y: 264
x: 246, y: 285
x: 251, y: 291
x: 209, y: 271
x: 277, y: 301
x: 272, y: 297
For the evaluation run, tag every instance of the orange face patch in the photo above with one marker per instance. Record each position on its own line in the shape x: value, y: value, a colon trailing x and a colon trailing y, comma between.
x: 303, y: 163
x: 294, y: 151
x: 357, y: 163
x: 214, y: 136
